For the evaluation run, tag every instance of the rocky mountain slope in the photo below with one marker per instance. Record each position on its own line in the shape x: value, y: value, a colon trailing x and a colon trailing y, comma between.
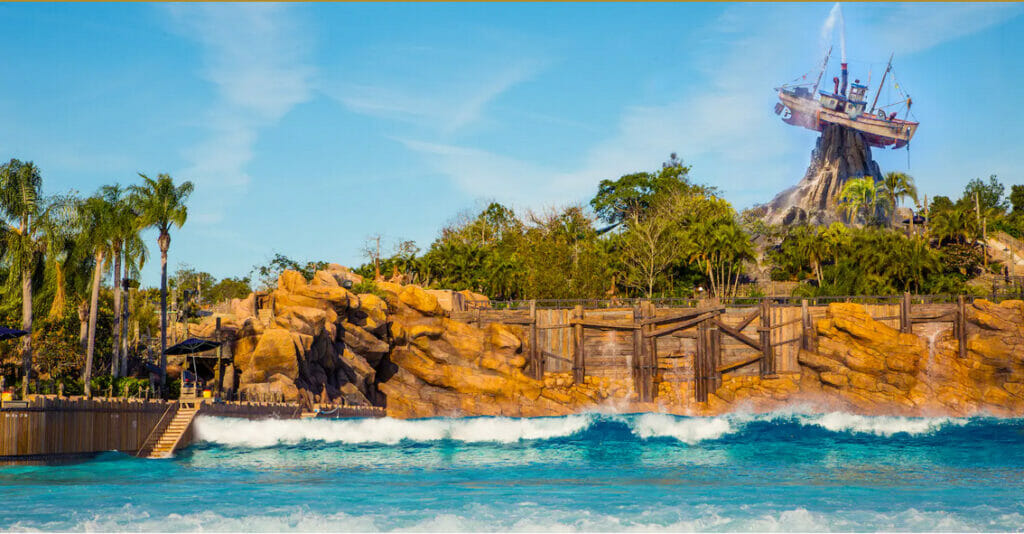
x: 839, y: 154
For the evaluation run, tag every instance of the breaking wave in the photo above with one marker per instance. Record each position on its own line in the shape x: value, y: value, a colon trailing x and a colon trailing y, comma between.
x: 524, y: 517
x: 687, y: 430
x: 267, y: 433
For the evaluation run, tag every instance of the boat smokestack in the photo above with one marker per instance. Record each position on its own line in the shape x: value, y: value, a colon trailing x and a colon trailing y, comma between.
x: 842, y: 89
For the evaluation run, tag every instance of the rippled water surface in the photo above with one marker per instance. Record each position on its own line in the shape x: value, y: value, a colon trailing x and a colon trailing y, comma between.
x: 782, y: 471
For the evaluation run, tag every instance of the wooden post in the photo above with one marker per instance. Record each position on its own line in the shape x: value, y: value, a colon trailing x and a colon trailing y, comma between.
x: 714, y: 359
x: 699, y: 392
x: 536, y: 360
x: 639, y: 331
x: 961, y: 326
x: 767, y: 354
x: 219, y: 371
x: 651, y: 353
x: 578, y: 349
x: 805, y: 322
x: 906, y: 325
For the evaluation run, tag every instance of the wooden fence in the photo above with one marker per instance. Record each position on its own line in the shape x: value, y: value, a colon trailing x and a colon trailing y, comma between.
x: 650, y: 341
x: 48, y: 428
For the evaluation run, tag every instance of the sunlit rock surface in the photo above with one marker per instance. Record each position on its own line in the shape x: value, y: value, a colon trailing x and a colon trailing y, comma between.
x: 403, y: 350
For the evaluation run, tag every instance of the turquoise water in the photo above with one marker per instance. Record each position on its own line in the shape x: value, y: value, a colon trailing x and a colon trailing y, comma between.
x: 781, y: 471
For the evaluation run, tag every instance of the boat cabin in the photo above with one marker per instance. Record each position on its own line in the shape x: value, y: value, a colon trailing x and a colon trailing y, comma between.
x: 831, y: 101
x: 858, y: 92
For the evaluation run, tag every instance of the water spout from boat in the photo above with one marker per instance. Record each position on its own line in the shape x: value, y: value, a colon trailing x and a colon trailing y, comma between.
x: 835, y: 18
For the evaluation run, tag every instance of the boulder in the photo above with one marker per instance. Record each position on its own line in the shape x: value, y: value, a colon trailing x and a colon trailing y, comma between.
x: 275, y: 353
x: 416, y: 298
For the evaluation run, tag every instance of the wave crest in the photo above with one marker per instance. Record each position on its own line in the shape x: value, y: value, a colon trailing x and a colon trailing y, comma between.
x: 388, y: 431
x: 688, y: 430
x: 884, y: 426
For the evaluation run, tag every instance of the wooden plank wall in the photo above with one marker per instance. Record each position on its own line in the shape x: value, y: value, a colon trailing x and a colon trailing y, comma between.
x: 52, y: 427
x: 609, y: 352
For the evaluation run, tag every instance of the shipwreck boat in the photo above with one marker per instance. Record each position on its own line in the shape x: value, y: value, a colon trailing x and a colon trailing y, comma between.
x: 803, y: 105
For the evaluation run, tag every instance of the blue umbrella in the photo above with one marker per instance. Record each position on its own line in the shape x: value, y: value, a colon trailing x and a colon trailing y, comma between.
x: 10, y: 333
x: 191, y: 346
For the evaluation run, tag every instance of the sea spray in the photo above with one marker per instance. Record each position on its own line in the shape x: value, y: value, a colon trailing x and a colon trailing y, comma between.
x: 884, y: 426
x: 687, y: 430
x: 388, y: 431
x: 470, y: 430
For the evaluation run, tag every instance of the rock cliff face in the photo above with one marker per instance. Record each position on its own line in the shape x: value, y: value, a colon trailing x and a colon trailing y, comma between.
x: 864, y: 366
x: 839, y: 154
x: 403, y: 351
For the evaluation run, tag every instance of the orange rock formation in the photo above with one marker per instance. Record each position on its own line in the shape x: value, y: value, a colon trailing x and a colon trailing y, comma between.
x: 403, y: 351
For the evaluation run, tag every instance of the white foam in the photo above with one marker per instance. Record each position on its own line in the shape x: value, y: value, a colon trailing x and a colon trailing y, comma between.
x: 268, y: 433
x: 878, y: 425
x: 688, y: 430
x: 476, y: 518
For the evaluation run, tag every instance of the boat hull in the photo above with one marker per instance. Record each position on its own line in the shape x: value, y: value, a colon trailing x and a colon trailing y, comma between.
x: 877, y: 132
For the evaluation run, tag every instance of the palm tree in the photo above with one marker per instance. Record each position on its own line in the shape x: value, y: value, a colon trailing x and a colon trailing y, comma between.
x: 125, y: 235
x: 857, y: 195
x: 28, y: 223
x: 160, y: 205
x: 898, y: 186
x: 135, y: 254
x: 957, y: 224
x: 97, y: 226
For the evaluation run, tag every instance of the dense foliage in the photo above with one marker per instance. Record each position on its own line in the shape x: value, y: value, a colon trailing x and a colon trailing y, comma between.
x: 68, y: 264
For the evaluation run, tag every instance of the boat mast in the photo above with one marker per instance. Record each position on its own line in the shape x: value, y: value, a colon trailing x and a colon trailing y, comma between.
x: 824, y: 65
x: 882, y: 83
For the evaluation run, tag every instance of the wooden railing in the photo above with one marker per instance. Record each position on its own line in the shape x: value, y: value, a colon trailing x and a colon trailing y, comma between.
x: 758, y: 330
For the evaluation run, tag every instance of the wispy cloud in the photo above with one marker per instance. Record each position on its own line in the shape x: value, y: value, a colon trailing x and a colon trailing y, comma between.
x: 445, y: 106
x: 910, y: 28
x: 723, y: 124
x: 256, y: 56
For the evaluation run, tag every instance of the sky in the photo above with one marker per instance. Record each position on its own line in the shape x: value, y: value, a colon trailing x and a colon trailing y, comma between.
x: 307, y: 128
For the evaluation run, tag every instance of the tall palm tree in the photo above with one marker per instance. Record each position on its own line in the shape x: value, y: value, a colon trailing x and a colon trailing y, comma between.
x: 135, y: 254
x: 160, y: 205
x: 897, y: 187
x: 97, y: 226
x: 28, y: 222
x: 125, y: 234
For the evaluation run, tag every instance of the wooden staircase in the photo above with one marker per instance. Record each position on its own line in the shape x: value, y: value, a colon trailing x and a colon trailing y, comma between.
x: 166, y: 437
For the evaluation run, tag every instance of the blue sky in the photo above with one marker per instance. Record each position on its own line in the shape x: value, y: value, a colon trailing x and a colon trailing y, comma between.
x: 308, y: 127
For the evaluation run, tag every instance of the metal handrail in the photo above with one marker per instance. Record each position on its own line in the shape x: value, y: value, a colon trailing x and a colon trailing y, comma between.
x: 157, y: 426
x: 195, y: 412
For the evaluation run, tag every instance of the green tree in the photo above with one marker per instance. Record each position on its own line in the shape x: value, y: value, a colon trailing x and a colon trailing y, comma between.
x: 97, y: 228
x: 268, y: 273
x: 125, y: 241
x: 939, y: 205
x: 860, y: 198
x: 161, y: 205
x: 897, y: 187
x: 1017, y: 198
x: 958, y: 225
x: 984, y: 195
x: 636, y: 192
x: 719, y: 246
x: 28, y: 224
x: 650, y: 244
x: 230, y: 288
